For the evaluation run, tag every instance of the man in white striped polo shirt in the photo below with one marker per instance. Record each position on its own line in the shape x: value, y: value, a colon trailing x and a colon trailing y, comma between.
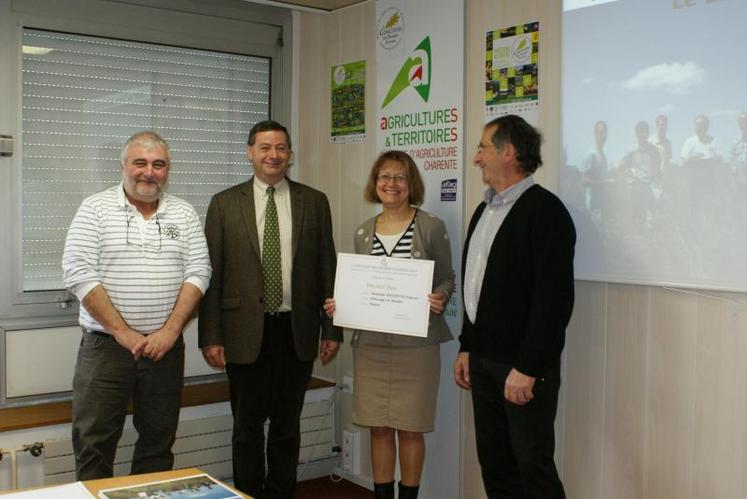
x: 137, y: 260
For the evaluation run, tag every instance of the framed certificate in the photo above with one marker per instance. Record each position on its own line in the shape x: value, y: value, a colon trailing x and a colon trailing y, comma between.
x: 378, y: 293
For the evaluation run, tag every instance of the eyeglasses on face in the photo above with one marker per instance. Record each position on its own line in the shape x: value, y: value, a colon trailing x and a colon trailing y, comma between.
x: 385, y: 178
x: 144, y: 247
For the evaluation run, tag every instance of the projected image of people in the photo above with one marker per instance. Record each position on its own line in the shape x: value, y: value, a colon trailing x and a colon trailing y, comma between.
x: 640, y: 170
x: 739, y: 152
x: 655, y: 141
x: 738, y: 164
x: 662, y: 143
x: 701, y: 149
x: 596, y: 171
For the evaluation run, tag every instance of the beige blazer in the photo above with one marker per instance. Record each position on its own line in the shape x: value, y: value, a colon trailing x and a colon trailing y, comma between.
x: 430, y: 242
x: 232, y: 310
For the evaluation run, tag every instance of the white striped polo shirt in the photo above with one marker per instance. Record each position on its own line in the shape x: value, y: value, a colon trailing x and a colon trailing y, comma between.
x: 141, y: 264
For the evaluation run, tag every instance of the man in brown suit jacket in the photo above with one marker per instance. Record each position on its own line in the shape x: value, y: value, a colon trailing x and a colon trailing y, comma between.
x: 261, y: 324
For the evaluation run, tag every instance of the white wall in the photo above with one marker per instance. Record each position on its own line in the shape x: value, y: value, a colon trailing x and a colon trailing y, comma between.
x: 338, y: 170
x: 42, y: 361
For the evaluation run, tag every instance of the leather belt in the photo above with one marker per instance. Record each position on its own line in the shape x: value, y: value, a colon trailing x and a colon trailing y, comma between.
x: 278, y: 315
x: 94, y: 332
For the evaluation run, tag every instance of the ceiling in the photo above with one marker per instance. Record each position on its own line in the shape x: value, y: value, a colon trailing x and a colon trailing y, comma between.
x: 327, y: 5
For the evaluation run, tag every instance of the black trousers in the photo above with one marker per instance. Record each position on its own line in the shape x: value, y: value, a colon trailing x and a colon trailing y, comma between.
x: 106, y: 377
x: 272, y: 388
x: 515, y: 443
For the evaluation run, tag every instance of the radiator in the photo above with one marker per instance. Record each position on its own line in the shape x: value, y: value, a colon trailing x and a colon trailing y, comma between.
x: 200, y: 443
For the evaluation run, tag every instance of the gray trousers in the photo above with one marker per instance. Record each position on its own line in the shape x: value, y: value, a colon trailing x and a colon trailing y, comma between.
x: 106, y: 378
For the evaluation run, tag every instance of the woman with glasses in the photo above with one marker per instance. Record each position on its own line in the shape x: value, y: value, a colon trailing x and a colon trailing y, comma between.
x: 396, y: 376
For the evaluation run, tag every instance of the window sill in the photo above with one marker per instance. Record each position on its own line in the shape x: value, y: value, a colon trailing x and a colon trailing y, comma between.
x: 34, y: 416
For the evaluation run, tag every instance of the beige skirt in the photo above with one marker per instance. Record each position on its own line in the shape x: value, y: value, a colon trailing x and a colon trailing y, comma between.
x: 396, y: 387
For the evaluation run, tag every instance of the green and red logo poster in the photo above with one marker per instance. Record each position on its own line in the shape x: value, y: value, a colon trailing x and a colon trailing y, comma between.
x: 415, y: 73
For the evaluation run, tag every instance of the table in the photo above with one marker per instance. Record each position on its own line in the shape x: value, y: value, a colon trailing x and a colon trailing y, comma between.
x: 94, y: 486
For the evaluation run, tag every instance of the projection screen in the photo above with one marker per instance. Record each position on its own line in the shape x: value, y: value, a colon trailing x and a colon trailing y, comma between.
x: 655, y: 140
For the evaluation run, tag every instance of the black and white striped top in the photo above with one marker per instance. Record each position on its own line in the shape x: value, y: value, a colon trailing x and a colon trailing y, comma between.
x: 141, y: 264
x: 395, y: 245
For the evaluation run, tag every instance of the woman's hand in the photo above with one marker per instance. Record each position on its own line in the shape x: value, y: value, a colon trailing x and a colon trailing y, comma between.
x: 329, y: 307
x: 438, y: 302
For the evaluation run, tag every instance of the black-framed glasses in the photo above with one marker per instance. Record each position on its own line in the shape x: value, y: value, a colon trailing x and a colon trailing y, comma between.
x: 143, y: 246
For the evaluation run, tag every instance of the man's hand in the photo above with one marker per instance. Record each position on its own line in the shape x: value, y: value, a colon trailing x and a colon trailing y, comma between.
x: 132, y: 341
x: 158, y: 343
x: 161, y: 341
x: 328, y: 350
x: 438, y: 302
x: 100, y: 307
x: 518, y: 388
x: 215, y: 356
x: 461, y: 370
x: 329, y: 307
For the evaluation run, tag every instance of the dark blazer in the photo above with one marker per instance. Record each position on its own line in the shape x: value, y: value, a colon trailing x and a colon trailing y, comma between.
x: 232, y: 310
x: 526, y: 297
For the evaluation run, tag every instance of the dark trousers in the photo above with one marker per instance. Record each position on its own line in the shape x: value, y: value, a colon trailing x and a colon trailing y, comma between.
x: 106, y: 378
x: 273, y: 388
x: 515, y: 443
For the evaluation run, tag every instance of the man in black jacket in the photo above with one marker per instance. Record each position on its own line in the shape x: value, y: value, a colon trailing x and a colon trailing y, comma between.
x: 518, y: 298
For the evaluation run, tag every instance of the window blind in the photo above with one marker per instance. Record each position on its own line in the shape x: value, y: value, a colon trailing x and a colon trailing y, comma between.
x: 84, y: 96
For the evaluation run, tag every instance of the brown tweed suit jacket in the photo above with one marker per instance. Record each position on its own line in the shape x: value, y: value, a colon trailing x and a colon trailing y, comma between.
x: 232, y: 311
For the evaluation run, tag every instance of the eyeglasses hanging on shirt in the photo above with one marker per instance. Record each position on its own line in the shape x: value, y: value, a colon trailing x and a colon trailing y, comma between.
x: 146, y: 245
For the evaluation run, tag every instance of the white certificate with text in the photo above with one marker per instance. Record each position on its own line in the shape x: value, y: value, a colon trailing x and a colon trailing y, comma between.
x: 378, y: 293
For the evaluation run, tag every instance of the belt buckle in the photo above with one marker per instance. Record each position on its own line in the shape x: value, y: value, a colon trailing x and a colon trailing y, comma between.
x: 277, y: 314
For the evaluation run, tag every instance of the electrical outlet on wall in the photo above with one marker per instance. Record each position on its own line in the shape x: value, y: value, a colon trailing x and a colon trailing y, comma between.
x: 351, y: 447
x: 347, y: 384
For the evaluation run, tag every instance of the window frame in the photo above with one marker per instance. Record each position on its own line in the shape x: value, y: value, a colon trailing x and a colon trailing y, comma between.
x: 231, y: 26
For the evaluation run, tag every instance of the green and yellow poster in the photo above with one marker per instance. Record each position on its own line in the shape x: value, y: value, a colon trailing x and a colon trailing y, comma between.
x: 348, y: 86
x: 511, y: 72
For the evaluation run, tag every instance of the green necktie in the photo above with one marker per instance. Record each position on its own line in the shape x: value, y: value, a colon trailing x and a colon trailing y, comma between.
x: 271, y: 268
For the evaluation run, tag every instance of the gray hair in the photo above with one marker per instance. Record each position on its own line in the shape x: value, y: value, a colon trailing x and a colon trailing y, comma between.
x: 147, y: 139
